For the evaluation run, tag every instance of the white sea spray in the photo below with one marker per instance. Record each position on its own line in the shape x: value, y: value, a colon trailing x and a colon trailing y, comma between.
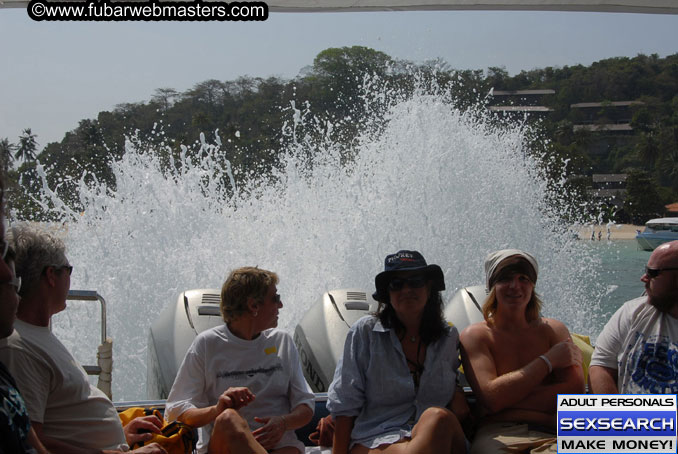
x: 422, y: 175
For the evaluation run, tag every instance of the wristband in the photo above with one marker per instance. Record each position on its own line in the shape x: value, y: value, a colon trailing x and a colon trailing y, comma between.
x: 548, y: 363
x: 284, y: 422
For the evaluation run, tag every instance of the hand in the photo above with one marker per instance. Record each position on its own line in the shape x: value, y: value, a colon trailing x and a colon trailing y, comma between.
x: 271, y: 432
x: 564, y: 354
x: 149, y: 424
x: 234, y: 398
x: 153, y: 448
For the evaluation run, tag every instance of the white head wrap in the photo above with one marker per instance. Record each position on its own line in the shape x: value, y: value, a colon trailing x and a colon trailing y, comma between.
x: 493, y: 260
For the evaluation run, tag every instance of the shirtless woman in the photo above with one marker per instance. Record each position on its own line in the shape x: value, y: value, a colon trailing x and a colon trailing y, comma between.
x: 516, y: 360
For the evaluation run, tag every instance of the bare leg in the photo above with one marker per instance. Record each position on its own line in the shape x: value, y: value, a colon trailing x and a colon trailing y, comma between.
x: 232, y: 435
x: 437, y: 431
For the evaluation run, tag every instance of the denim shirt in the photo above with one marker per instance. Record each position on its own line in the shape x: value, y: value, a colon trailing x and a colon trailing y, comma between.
x: 372, y: 381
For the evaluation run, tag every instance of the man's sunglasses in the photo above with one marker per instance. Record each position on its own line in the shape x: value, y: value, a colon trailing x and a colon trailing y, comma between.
x: 398, y: 283
x: 654, y: 272
x: 14, y: 282
x: 68, y: 268
x: 276, y: 298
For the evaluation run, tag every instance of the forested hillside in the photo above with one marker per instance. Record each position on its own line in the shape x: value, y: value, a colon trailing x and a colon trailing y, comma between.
x: 247, y: 115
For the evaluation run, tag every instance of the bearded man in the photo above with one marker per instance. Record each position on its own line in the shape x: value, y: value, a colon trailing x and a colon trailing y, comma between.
x: 637, y: 352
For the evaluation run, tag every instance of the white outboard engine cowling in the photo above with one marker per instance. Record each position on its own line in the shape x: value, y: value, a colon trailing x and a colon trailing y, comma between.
x: 465, y: 307
x: 172, y: 333
x: 320, y: 335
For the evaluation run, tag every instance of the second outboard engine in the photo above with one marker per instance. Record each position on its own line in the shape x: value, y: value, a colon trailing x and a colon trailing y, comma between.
x: 320, y: 335
x: 172, y: 333
x: 465, y: 307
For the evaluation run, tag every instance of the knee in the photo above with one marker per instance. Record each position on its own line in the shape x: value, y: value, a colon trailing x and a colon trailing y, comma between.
x: 440, y: 418
x: 230, y: 422
x: 230, y: 429
x: 438, y: 414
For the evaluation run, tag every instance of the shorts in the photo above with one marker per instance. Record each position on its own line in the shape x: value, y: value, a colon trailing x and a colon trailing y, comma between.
x: 384, y: 439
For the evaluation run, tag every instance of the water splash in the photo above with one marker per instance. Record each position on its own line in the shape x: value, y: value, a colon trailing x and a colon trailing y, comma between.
x: 422, y: 175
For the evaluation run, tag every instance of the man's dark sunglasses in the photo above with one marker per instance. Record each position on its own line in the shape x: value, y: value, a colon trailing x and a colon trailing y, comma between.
x: 398, y: 283
x: 276, y: 298
x: 654, y: 272
x: 68, y: 268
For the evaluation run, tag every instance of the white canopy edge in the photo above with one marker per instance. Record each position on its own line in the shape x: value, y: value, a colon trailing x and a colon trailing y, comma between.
x: 620, y: 6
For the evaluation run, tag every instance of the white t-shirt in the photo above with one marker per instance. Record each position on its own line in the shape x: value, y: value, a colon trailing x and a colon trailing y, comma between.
x: 57, y: 392
x: 217, y: 360
x: 641, y: 343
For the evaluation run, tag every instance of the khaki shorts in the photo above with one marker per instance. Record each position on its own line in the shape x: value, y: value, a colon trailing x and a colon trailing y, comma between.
x: 511, y: 437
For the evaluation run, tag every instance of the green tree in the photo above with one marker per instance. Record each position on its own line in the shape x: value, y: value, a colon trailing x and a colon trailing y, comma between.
x: 338, y: 73
x: 647, y: 148
x: 497, y: 77
x: 27, y: 147
x: 7, y: 150
x: 165, y: 97
x: 643, y: 201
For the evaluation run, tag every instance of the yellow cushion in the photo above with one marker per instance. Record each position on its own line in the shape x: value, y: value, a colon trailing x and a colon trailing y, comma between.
x: 584, y: 344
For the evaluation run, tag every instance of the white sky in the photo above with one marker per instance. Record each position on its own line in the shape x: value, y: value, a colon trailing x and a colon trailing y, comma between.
x: 53, y: 74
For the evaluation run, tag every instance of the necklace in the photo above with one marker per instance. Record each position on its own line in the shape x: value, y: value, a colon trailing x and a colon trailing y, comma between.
x: 413, y: 339
x: 416, y: 368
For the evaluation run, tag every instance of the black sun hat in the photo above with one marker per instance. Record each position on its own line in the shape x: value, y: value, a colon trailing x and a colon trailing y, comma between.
x: 407, y: 261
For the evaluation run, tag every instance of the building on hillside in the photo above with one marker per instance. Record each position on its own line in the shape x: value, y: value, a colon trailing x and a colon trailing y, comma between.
x: 613, y: 116
x: 609, y: 189
x: 526, y: 103
x: 608, y: 123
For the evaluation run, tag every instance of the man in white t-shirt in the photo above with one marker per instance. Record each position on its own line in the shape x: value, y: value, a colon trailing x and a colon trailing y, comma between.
x: 244, y: 378
x: 637, y: 352
x: 68, y: 414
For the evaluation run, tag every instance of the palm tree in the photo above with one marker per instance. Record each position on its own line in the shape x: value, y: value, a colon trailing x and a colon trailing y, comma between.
x: 25, y: 151
x: 6, y: 154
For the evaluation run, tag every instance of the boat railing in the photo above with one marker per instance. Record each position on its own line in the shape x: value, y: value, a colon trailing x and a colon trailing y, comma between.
x: 104, y: 367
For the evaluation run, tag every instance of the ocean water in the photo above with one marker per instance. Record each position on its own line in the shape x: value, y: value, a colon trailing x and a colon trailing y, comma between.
x: 424, y: 175
x: 622, y: 263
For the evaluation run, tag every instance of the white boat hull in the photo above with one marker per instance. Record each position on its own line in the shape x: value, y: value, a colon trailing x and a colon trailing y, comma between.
x: 657, y: 231
x: 649, y: 242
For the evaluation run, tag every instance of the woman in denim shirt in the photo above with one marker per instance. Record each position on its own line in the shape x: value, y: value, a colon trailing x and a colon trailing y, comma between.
x: 394, y: 387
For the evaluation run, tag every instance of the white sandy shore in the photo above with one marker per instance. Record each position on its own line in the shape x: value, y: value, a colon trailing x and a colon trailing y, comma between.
x: 617, y: 231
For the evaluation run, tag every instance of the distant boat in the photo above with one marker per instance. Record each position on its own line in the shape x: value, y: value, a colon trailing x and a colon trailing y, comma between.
x: 657, y: 231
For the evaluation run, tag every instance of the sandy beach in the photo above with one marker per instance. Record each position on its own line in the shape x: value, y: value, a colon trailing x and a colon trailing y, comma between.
x: 617, y: 231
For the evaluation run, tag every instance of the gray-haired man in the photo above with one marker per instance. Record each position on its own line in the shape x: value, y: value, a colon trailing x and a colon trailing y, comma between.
x: 68, y: 414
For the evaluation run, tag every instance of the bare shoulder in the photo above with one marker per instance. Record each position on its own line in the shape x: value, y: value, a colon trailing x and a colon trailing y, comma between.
x: 475, y: 333
x: 556, y: 327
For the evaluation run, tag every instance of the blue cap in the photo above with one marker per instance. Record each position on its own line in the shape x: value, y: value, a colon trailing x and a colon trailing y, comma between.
x: 407, y: 261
